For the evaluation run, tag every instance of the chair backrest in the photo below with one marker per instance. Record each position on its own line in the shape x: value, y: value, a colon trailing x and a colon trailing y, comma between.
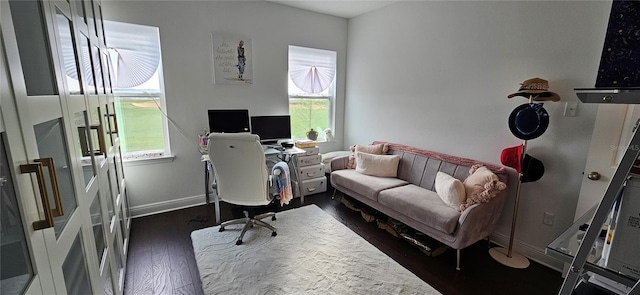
x: 240, y: 168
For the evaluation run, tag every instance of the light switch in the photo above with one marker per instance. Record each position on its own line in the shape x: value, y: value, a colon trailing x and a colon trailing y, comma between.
x: 570, y: 109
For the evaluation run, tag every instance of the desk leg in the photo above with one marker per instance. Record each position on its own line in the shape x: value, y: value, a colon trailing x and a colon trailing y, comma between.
x: 206, y: 182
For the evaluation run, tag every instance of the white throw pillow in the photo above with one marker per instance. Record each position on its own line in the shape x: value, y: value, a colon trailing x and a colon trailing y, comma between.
x: 450, y: 190
x: 377, y: 165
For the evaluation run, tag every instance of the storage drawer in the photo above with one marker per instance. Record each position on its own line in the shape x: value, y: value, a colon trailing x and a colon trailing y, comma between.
x: 309, y: 172
x: 308, y: 160
x: 311, y: 151
x: 314, y: 186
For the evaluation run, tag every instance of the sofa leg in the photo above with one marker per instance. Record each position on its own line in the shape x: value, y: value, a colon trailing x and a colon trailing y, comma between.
x: 334, y: 194
x: 458, y: 259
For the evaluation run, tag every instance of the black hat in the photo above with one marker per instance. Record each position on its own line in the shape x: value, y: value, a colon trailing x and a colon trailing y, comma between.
x: 528, y: 121
x: 532, y: 169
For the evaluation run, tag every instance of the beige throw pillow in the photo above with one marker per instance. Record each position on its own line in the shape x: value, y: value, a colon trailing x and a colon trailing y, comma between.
x: 481, y: 186
x: 450, y: 190
x: 378, y: 149
x: 377, y: 165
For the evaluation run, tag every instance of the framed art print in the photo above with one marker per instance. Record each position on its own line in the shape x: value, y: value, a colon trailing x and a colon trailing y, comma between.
x: 232, y: 60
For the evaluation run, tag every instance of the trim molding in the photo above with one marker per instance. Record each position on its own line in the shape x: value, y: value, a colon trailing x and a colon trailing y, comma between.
x: 166, y: 206
x: 529, y: 251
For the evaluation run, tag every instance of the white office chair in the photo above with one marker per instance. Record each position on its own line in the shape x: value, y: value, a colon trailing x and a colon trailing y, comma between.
x: 241, y: 175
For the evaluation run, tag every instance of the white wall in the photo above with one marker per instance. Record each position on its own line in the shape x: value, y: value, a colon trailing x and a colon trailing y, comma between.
x: 436, y: 74
x: 185, y: 28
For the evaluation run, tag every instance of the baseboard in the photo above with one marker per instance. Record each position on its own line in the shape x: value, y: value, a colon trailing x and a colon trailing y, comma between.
x: 529, y: 251
x: 166, y: 206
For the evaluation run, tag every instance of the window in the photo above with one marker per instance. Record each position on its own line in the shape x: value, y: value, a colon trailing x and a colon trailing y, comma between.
x: 134, y: 52
x: 311, y: 90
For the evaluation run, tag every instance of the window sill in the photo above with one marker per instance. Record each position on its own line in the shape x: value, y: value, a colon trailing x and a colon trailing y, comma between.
x: 147, y: 161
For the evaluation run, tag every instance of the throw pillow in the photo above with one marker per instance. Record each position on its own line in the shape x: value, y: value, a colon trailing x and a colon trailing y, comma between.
x: 481, y: 186
x: 377, y: 165
x: 377, y: 149
x: 450, y: 190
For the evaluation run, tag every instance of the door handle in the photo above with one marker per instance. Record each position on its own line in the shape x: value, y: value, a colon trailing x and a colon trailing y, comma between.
x: 593, y: 175
x: 53, y: 176
x: 48, y: 215
x: 115, y: 123
x: 82, y: 131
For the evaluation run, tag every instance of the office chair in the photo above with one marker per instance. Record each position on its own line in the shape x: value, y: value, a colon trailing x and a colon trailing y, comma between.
x: 241, y: 175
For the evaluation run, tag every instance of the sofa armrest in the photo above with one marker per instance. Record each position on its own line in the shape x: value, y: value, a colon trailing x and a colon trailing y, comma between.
x: 478, y: 221
x: 339, y: 163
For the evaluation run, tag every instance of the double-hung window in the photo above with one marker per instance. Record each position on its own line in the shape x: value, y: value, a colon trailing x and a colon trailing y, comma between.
x: 311, y: 91
x: 138, y: 89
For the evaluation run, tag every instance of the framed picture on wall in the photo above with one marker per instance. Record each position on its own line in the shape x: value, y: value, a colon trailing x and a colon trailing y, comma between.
x: 232, y: 59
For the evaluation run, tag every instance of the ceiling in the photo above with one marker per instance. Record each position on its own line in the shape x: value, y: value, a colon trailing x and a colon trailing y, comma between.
x: 339, y: 8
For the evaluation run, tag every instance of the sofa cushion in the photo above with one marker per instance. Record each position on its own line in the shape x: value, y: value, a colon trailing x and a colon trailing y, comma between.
x: 377, y: 149
x: 366, y: 185
x: 481, y: 186
x: 450, y: 190
x: 421, y: 205
x: 377, y: 165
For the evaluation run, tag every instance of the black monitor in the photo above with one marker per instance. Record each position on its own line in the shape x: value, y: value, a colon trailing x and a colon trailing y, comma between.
x: 229, y: 121
x: 271, y: 128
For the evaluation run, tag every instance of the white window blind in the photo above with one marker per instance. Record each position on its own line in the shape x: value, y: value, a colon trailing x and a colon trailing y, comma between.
x: 312, y: 70
x: 134, y: 51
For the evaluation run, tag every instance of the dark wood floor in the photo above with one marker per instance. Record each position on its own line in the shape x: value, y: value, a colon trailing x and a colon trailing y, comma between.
x: 161, y: 259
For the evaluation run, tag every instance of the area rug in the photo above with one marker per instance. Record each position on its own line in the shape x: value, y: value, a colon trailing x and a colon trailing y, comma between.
x: 312, y: 254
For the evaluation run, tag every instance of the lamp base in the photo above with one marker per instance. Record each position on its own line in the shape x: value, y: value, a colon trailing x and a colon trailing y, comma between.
x: 515, y: 261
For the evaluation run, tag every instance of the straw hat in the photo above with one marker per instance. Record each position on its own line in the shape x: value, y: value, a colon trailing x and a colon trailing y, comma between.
x: 538, y: 88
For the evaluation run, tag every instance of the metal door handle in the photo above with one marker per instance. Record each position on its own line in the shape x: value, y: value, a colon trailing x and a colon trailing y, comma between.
x: 53, y: 176
x: 115, y: 123
x: 48, y: 215
x: 82, y: 131
x: 593, y: 175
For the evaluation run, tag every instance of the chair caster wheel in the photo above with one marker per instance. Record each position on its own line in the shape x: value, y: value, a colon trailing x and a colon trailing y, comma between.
x: 221, y: 229
x: 273, y: 217
x: 239, y: 242
x: 273, y: 234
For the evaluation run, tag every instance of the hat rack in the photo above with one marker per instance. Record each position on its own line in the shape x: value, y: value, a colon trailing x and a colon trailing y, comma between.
x: 507, y: 256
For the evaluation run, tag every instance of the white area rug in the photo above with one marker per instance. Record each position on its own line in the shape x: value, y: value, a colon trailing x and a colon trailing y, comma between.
x: 312, y: 254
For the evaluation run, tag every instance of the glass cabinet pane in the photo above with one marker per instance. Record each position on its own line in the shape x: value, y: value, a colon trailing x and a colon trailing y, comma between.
x: 74, y: 270
x: 123, y: 231
x: 69, y: 53
x: 108, y: 283
x: 87, y: 66
x: 96, y: 135
x: 107, y: 195
x: 52, y: 144
x: 81, y: 10
x: 34, y: 47
x: 97, y: 67
x: 83, y: 148
x: 15, y: 264
x: 98, y: 228
x: 117, y: 253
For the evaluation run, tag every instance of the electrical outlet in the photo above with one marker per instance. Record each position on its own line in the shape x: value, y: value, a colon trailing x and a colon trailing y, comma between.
x: 548, y: 218
x: 570, y: 109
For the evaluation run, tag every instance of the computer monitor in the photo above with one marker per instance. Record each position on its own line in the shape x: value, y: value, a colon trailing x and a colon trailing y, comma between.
x: 271, y: 128
x: 229, y: 121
